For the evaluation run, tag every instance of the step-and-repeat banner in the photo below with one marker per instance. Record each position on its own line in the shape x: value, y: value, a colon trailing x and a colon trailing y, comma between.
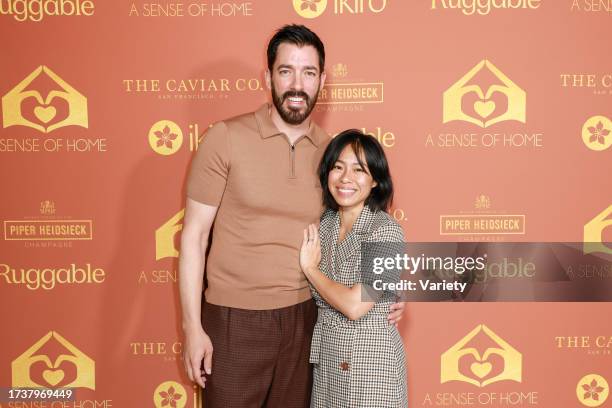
x: 495, y: 115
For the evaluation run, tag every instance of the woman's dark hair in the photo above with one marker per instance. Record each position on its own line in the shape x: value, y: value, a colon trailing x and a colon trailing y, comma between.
x: 299, y: 35
x: 381, y: 196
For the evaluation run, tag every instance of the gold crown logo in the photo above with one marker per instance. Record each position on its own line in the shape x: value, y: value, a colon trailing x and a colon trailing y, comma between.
x: 47, y: 207
x: 44, y: 111
x: 53, y: 374
x: 482, y: 202
x: 481, y: 367
x: 485, y: 106
x: 339, y: 70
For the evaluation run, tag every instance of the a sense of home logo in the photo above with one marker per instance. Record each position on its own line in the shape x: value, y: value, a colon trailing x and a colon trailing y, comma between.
x: 43, y: 115
x: 483, y: 111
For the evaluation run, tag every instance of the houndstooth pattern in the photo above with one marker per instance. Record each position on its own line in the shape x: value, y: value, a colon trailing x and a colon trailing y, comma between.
x: 361, y: 363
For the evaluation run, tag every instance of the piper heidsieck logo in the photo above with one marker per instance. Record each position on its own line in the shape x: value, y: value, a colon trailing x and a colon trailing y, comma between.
x: 482, y: 223
x: 37, y: 10
x: 48, y: 230
x: 344, y: 92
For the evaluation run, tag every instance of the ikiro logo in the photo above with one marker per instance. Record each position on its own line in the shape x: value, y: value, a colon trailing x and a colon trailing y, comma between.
x: 170, y: 394
x: 314, y: 8
x: 36, y: 10
x: 592, y: 390
x: 484, y: 7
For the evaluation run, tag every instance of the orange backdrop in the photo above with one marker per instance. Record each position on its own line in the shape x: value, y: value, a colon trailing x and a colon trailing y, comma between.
x: 488, y: 109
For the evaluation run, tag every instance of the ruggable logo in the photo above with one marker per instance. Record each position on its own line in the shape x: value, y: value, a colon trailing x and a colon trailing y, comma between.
x: 484, y: 7
x: 36, y: 10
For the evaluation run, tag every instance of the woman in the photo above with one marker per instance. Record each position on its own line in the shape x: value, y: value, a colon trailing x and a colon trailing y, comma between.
x: 358, y: 356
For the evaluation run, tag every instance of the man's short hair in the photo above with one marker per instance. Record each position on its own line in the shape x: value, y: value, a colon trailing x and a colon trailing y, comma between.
x: 381, y: 196
x: 299, y: 35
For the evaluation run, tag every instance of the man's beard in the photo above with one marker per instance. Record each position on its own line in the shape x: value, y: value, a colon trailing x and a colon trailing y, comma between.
x: 293, y: 117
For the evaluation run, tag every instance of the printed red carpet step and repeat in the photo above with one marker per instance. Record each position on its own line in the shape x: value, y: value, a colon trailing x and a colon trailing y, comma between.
x: 495, y: 115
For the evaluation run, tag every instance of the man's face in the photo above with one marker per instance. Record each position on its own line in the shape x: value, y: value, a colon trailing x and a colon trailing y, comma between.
x: 295, y: 82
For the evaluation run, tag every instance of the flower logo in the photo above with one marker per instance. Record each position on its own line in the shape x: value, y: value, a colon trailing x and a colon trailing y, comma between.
x: 592, y: 390
x: 309, y: 8
x: 170, y: 394
x: 309, y: 4
x: 165, y: 137
x: 596, y: 133
x: 170, y: 397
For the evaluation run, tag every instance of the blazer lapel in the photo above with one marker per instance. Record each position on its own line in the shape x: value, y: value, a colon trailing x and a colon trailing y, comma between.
x: 351, y: 245
x: 330, y: 228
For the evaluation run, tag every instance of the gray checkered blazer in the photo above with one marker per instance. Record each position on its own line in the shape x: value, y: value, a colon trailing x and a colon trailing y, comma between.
x: 361, y: 363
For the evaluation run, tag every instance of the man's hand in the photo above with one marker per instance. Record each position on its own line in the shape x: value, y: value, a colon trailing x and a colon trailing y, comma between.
x: 198, y: 347
x: 395, y: 313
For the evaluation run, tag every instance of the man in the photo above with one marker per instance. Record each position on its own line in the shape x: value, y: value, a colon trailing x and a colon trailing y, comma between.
x: 254, y: 176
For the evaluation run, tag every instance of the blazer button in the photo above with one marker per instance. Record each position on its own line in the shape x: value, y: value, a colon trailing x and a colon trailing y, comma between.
x: 344, y: 366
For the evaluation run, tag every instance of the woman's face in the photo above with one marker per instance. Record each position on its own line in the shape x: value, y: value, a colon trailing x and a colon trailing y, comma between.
x: 348, y: 182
